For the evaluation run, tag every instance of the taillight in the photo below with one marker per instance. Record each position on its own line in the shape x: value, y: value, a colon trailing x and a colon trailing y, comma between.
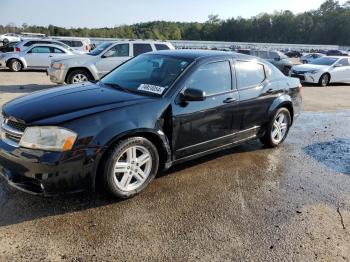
x: 300, y: 88
x: 17, y: 49
x: 87, y: 48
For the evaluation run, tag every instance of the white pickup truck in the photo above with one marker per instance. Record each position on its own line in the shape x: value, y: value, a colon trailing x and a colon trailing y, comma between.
x: 101, y: 60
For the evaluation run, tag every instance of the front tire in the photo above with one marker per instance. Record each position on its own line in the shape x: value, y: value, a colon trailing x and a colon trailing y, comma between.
x: 131, y: 166
x: 324, y: 80
x: 277, y: 129
x: 286, y: 70
x: 15, y: 65
x: 78, y: 76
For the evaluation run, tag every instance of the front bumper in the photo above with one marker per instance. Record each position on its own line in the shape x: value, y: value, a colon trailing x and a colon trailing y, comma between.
x: 46, y: 173
x: 306, y: 77
x: 57, y: 76
x: 2, y: 63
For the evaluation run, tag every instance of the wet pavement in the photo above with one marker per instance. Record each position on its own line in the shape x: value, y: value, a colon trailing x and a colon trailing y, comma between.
x: 248, y: 203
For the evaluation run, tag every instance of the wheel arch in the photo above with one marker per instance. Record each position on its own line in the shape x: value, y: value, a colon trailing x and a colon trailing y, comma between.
x: 23, y: 63
x: 282, y: 101
x: 326, y: 73
x: 86, y: 69
x: 158, y: 138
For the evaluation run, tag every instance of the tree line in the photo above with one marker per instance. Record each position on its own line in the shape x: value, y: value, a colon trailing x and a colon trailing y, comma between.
x: 329, y: 24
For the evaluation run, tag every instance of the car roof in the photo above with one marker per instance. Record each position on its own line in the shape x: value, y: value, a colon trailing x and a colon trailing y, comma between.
x: 137, y: 41
x: 195, y: 54
x: 49, y: 45
x: 338, y: 57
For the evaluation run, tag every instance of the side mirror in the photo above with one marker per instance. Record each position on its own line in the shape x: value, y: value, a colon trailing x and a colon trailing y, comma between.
x: 338, y: 65
x: 277, y: 58
x: 191, y: 94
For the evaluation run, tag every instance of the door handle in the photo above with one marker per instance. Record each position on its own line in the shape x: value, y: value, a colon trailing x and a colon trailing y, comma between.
x: 50, y: 56
x: 229, y: 100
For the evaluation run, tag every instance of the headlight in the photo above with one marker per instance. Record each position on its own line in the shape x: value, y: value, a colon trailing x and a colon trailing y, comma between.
x: 48, y: 138
x: 314, y: 72
x: 58, y: 65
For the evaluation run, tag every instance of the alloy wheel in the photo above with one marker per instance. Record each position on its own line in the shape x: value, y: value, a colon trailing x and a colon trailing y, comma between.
x: 132, y: 168
x: 78, y: 78
x: 280, y: 127
x: 16, y: 66
x: 324, y: 80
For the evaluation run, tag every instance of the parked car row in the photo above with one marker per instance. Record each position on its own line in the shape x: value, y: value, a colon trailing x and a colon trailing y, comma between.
x: 276, y: 58
x: 100, y: 61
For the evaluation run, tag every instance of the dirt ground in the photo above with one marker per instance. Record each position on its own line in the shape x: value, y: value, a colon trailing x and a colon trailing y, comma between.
x: 248, y: 203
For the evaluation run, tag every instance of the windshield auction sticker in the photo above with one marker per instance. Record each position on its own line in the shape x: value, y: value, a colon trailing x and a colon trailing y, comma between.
x: 151, y: 88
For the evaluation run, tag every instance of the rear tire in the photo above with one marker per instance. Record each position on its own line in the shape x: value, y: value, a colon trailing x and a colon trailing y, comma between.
x: 78, y: 76
x: 277, y: 129
x: 132, y: 164
x: 324, y: 80
x: 15, y: 65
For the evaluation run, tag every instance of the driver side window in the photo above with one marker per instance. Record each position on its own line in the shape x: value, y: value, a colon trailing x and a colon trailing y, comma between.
x: 213, y: 78
x: 120, y: 50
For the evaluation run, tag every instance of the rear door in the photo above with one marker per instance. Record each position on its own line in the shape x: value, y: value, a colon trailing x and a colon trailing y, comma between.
x: 255, y: 96
x: 204, y: 125
x: 113, y: 57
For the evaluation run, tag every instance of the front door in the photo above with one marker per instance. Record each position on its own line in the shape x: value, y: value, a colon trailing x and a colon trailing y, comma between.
x: 204, y: 125
x: 112, y: 58
x: 341, y: 73
x: 38, y: 57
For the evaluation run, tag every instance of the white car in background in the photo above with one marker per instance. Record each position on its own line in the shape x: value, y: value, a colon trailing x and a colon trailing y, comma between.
x: 80, y: 44
x: 101, y: 60
x: 38, y: 56
x: 10, y: 37
x: 324, y: 70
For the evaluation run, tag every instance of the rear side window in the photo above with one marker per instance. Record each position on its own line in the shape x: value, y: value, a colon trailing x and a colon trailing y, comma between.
x: 142, y: 48
x: 72, y: 43
x: 213, y: 78
x: 249, y: 74
x: 263, y: 54
x: 58, y: 51
x: 161, y: 47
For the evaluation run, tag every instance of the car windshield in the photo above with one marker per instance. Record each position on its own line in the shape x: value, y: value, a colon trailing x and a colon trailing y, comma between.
x: 324, y: 61
x: 150, y: 74
x: 99, y: 49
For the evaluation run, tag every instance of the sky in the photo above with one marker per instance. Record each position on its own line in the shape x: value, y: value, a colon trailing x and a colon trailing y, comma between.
x: 110, y: 13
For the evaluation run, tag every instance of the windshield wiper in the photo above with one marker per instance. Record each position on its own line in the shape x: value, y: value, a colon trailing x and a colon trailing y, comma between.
x: 116, y: 86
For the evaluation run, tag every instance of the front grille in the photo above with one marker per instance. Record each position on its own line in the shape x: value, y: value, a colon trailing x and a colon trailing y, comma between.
x: 12, y: 131
x: 16, y: 125
x: 301, y: 77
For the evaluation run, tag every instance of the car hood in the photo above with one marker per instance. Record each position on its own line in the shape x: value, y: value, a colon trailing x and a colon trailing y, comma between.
x: 76, y: 59
x: 61, y: 104
x: 309, y: 67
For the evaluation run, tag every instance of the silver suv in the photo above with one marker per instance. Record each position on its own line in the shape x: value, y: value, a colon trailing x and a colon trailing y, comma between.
x: 101, y: 60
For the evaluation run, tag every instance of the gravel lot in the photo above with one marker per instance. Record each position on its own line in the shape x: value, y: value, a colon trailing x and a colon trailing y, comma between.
x: 247, y: 203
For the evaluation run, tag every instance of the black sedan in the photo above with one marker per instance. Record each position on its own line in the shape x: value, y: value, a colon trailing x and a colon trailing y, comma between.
x: 152, y: 112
